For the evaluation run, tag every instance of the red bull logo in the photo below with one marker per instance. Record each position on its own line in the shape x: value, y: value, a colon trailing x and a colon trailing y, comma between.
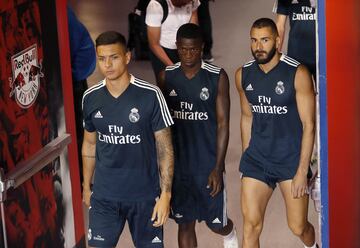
x: 25, y: 82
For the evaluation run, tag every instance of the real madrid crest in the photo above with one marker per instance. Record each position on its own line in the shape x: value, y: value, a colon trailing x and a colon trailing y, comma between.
x: 280, y: 89
x: 204, y: 94
x: 134, y: 115
x: 26, y: 70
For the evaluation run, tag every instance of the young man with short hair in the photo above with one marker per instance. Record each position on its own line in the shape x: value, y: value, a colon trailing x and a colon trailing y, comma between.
x: 198, y: 97
x: 126, y: 122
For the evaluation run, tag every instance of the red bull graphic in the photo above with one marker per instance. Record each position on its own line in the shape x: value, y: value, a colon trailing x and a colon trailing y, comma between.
x: 25, y: 83
x: 37, y: 213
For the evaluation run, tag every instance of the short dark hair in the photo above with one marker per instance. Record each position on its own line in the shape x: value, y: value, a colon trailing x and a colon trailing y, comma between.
x: 189, y: 31
x: 266, y: 23
x: 110, y: 37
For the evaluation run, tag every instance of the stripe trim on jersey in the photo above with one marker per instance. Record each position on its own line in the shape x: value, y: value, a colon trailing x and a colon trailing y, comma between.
x: 211, y: 68
x: 289, y: 61
x: 225, y: 218
x: 249, y: 63
x: 91, y: 89
x: 172, y: 67
x: 163, y: 107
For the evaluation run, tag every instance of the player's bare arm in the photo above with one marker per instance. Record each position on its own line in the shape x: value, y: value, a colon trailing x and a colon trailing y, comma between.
x: 222, y: 116
x: 305, y: 99
x: 194, y: 17
x: 280, y: 24
x: 246, y: 114
x: 153, y: 34
x: 88, y: 158
x: 165, y: 155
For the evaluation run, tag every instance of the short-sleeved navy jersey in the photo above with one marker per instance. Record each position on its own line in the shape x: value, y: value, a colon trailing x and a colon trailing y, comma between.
x: 126, y: 163
x: 276, y: 130
x: 302, y: 35
x: 192, y: 103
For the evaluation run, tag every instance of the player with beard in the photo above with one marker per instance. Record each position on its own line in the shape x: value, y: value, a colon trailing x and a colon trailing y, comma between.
x: 277, y: 131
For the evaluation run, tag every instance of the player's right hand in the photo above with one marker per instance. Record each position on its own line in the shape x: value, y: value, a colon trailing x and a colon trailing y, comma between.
x: 86, y: 196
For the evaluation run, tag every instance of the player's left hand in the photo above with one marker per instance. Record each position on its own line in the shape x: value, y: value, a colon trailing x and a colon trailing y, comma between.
x: 215, y: 181
x: 161, y: 210
x: 299, y: 185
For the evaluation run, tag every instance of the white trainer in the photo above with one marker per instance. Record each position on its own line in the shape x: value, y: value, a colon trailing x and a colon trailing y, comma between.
x: 233, y: 242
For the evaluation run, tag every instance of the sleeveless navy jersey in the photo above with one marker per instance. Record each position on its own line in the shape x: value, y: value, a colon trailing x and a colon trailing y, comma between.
x: 126, y: 163
x: 302, y: 35
x: 192, y: 103
x: 276, y: 130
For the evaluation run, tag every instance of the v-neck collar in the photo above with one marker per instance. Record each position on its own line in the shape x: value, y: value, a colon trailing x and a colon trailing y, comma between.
x: 131, y: 81
x: 195, y: 75
x: 272, y: 69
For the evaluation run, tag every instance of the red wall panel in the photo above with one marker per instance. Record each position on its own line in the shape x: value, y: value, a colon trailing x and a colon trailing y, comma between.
x: 343, y: 90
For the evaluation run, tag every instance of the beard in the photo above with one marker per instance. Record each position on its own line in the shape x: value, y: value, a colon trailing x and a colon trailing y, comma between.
x: 266, y: 59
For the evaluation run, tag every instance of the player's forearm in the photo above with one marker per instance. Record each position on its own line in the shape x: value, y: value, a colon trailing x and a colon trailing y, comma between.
x: 88, y: 159
x: 165, y: 155
x: 221, y: 145
x: 161, y: 54
x: 307, y: 144
x: 245, y: 127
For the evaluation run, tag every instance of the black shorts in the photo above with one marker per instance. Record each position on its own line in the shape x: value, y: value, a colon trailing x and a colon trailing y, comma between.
x: 262, y: 171
x: 107, y: 220
x: 191, y: 201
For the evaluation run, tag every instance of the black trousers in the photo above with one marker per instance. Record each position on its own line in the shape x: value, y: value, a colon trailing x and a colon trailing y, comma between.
x: 79, y: 88
x: 205, y: 24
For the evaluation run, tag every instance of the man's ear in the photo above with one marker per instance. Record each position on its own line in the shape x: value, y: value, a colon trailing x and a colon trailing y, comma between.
x: 128, y: 57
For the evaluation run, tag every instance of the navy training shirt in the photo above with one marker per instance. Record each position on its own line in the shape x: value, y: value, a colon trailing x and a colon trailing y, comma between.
x: 302, y: 35
x: 126, y: 162
x: 276, y: 131
x: 192, y: 103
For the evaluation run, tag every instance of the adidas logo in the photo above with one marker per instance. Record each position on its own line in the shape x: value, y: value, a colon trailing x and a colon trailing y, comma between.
x: 178, y: 216
x: 98, y: 115
x: 156, y: 240
x: 216, y: 221
x: 173, y: 93
x: 249, y: 87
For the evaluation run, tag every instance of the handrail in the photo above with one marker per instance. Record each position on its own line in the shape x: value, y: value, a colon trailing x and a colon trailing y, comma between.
x: 27, y: 168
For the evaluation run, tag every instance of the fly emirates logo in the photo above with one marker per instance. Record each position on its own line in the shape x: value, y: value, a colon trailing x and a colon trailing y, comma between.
x: 117, y: 137
x: 306, y: 15
x: 187, y: 113
x: 265, y: 107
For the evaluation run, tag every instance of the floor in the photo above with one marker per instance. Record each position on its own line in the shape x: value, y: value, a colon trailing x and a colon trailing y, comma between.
x: 231, y: 24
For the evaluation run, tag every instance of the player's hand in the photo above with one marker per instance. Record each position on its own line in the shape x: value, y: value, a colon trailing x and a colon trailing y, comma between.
x: 161, y: 210
x: 215, y: 181
x: 86, y: 196
x: 299, y: 185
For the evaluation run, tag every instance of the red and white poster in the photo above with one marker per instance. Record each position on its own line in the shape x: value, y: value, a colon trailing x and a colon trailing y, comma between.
x: 39, y: 213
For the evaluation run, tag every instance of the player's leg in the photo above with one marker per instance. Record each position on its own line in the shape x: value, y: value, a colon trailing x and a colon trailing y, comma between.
x: 255, y: 196
x: 214, y: 212
x: 187, y: 235
x: 106, y: 223
x: 297, y: 214
x: 184, y: 205
x: 143, y: 233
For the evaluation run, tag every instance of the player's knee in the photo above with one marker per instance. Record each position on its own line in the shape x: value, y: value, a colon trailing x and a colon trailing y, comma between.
x: 297, y: 229
x: 252, y: 225
x: 187, y: 228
